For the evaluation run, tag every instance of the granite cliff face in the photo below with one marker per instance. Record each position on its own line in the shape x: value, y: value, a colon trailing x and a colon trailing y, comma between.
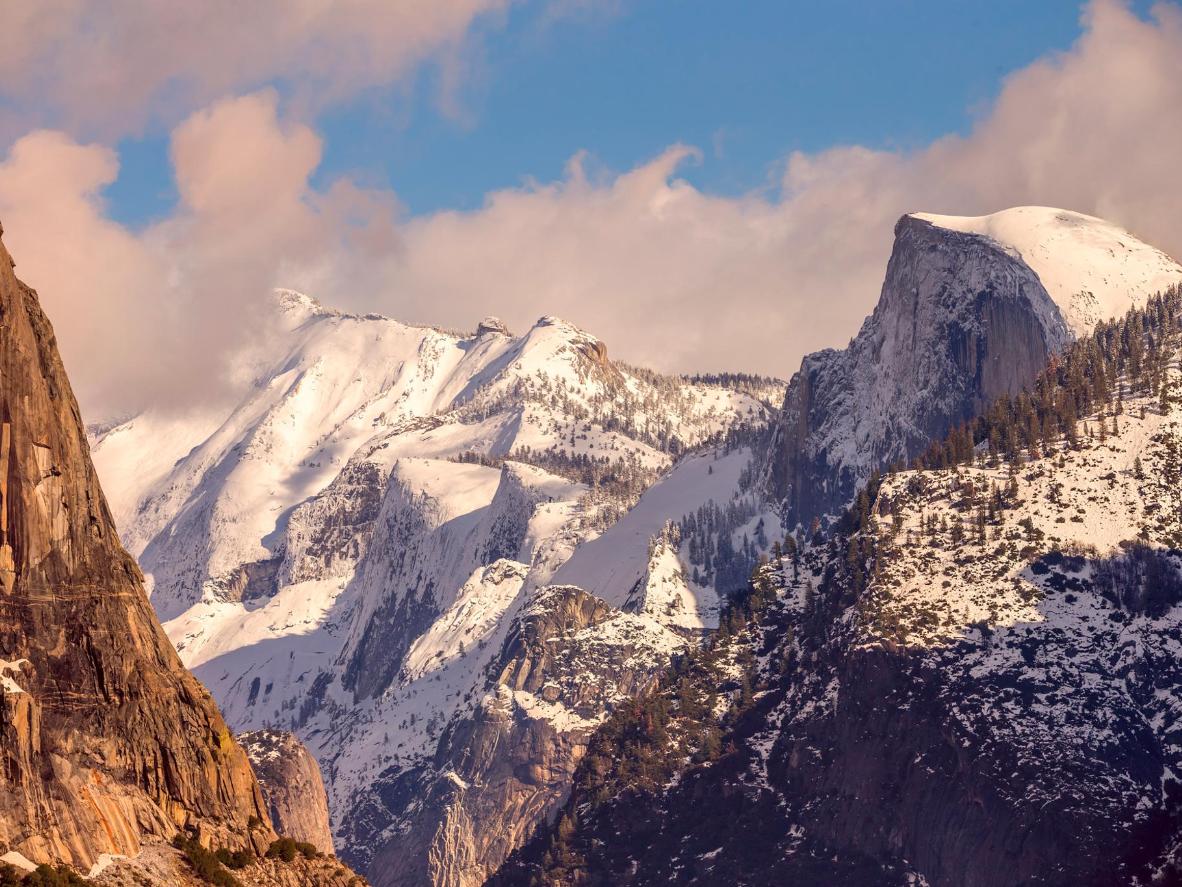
x: 292, y: 784
x: 106, y: 740
x: 959, y: 321
x: 970, y: 308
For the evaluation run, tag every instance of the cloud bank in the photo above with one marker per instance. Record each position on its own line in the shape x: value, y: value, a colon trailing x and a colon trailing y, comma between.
x: 111, y: 66
x: 667, y: 275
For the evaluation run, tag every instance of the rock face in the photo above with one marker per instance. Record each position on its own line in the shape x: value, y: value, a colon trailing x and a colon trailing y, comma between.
x: 106, y: 740
x: 970, y: 309
x: 959, y: 321
x: 291, y: 783
x: 568, y: 659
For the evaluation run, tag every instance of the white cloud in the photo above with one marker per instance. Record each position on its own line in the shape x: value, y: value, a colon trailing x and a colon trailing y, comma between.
x: 157, y: 315
x: 667, y: 275
x: 112, y: 66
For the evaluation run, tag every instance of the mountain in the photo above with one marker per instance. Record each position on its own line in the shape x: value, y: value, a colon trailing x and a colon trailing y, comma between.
x: 406, y: 546
x: 292, y: 785
x: 445, y: 560
x: 107, y: 741
x: 970, y: 309
x: 971, y: 678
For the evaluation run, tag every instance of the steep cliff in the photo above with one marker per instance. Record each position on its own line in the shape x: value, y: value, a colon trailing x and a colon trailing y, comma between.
x: 970, y: 309
x: 291, y: 782
x: 569, y: 659
x: 106, y: 740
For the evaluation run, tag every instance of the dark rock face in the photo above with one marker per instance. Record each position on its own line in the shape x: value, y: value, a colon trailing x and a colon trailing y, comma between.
x: 507, y: 768
x: 293, y: 786
x: 859, y: 765
x: 959, y: 322
x: 105, y: 739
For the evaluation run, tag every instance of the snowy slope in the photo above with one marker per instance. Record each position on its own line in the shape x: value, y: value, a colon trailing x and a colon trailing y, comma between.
x: 622, y: 567
x: 347, y: 551
x: 1093, y: 270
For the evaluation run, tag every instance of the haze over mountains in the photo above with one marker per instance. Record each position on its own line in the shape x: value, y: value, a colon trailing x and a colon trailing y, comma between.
x: 443, y: 559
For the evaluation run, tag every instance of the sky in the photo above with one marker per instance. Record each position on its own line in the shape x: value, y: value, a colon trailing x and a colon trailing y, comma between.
x: 703, y: 185
x: 624, y: 82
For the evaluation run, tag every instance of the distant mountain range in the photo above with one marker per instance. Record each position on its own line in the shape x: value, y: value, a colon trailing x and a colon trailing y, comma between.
x: 549, y: 618
x: 391, y: 522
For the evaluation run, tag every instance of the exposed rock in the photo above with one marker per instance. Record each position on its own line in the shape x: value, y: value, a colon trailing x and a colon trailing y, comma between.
x: 492, y: 325
x: 105, y: 739
x: 567, y: 661
x: 292, y: 784
x: 960, y: 321
x: 162, y: 866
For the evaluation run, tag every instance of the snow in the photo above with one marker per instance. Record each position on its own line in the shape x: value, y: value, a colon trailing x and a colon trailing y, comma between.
x: 6, y: 670
x: 471, y: 619
x: 1090, y: 504
x: 1092, y: 269
x: 276, y: 533
x: 616, y: 561
x: 104, y: 861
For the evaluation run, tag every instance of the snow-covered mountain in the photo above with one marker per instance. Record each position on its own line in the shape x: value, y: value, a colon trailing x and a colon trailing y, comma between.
x: 370, y: 547
x: 972, y: 678
x: 970, y: 309
x: 444, y: 559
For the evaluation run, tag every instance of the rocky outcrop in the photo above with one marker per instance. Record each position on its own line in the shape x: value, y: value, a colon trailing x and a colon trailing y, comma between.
x: 960, y: 320
x: 492, y: 326
x: 105, y: 739
x: 567, y: 661
x: 162, y: 866
x: 292, y: 784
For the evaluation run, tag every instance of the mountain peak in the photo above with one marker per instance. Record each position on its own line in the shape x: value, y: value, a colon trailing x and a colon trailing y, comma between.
x: 299, y: 306
x: 494, y: 326
x: 1092, y: 269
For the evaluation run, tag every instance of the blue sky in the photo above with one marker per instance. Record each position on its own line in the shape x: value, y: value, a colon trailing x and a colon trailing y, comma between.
x: 745, y: 82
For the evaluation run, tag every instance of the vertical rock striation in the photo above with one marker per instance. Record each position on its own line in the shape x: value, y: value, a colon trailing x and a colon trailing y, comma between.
x: 293, y: 786
x: 105, y: 739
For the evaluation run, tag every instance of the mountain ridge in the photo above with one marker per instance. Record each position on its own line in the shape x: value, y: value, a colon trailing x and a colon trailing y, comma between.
x: 351, y: 552
x: 971, y: 679
x: 962, y: 318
